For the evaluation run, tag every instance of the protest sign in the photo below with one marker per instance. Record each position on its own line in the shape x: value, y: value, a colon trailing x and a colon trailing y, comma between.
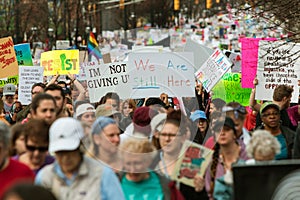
x: 201, y: 52
x: 60, y: 62
x: 8, y: 60
x: 154, y: 73
x: 249, y: 59
x: 213, y: 70
x: 62, y: 44
x: 278, y: 63
x: 230, y: 90
x: 23, y: 54
x: 103, y: 78
x: 28, y: 76
x: 12, y: 79
x: 235, y: 58
x: 193, y: 160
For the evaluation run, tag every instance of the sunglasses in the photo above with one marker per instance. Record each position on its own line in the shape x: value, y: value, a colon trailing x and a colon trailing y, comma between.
x: 33, y: 148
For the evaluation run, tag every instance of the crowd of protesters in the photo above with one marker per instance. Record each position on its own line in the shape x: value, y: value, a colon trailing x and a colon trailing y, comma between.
x: 128, y: 148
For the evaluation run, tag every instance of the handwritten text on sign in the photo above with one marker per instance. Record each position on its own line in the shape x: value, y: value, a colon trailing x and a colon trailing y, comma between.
x: 105, y: 78
x: 229, y: 89
x: 154, y: 73
x: 278, y: 63
x: 213, y: 69
x: 23, y: 54
x: 60, y: 62
x: 28, y: 76
x: 8, y: 60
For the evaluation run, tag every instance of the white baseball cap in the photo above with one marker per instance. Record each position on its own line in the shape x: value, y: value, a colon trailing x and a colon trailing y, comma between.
x: 9, y: 89
x: 84, y: 108
x: 65, y: 134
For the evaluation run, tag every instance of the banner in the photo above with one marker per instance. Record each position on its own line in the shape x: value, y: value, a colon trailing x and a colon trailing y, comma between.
x: 23, y: 54
x: 229, y: 89
x: 60, y: 62
x: 154, y: 73
x: 8, y: 60
x: 105, y: 78
x: 249, y: 59
x: 278, y: 63
x: 28, y: 76
x: 213, y: 69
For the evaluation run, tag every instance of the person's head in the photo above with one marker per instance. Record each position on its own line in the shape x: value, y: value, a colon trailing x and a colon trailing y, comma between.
x: 270, y: 115
x: 173, y: 132
x: 157, y: 123
x: 9, y: 91
x: 69, y: 106
x: 156, y: 103
x: 105, y: 136
x: 199, y: 117
x: 283, y: 94
x: 36, y: 141
x: 62, y: 84
x: 86, y: 113
x: 4, y: 142
x: 237, y: 113
x: 263, y: 146
x: 58, y: 93
x: 17, y: 141
x: 128, y: 106
x: 37, y: 88
x: 216, y: 105
x: 107, y: 110
x: 141, y: 120
x: 43, y: 106
x: 113, y: 99
x: 65, y: 139
x: 137, y: 155
x: 225, y: 132
x: 26, y: 191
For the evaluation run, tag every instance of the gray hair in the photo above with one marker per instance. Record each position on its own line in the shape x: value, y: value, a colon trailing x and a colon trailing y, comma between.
x: 4, y: 134
x: 264, y: 142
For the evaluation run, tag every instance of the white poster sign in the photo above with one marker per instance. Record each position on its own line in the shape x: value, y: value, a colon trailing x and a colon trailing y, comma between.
x: 154, y: 73
x: 28, y: 75
x: 278, y: 63
x: 213, y: 69
x: 103, y: 78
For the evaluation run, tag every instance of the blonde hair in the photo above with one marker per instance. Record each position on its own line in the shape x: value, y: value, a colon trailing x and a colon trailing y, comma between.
x: 264, y: 143
x: 138, y: 145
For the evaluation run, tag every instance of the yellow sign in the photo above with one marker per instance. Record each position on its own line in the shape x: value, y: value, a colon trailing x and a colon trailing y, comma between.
x: 60, y: 62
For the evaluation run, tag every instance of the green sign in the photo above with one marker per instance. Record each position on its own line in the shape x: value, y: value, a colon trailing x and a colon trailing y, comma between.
x: 229, y: 89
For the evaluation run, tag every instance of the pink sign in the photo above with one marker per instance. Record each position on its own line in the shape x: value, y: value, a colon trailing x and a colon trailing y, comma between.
x: 249, y: 59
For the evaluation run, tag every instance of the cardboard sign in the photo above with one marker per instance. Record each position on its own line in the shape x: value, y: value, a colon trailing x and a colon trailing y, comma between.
x: 229, y: 89
x: 62, y: 44
x: 278, y: 63
x: 23, y: 54
x: 8, y: 60
x: 213, y: 69
x: 105, y: 78
x: 193, y: 160
x: 154, y: 73
x: 28, y: 76
x: 60, y: 62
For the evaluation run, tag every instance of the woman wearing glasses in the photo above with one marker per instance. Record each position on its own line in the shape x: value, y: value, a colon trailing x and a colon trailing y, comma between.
x: 36, y: 141
x: 270, y: 116
x: 171, y: 138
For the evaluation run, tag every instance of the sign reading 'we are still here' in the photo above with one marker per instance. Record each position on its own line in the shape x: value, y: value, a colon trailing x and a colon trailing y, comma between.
x: 151, y: 74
